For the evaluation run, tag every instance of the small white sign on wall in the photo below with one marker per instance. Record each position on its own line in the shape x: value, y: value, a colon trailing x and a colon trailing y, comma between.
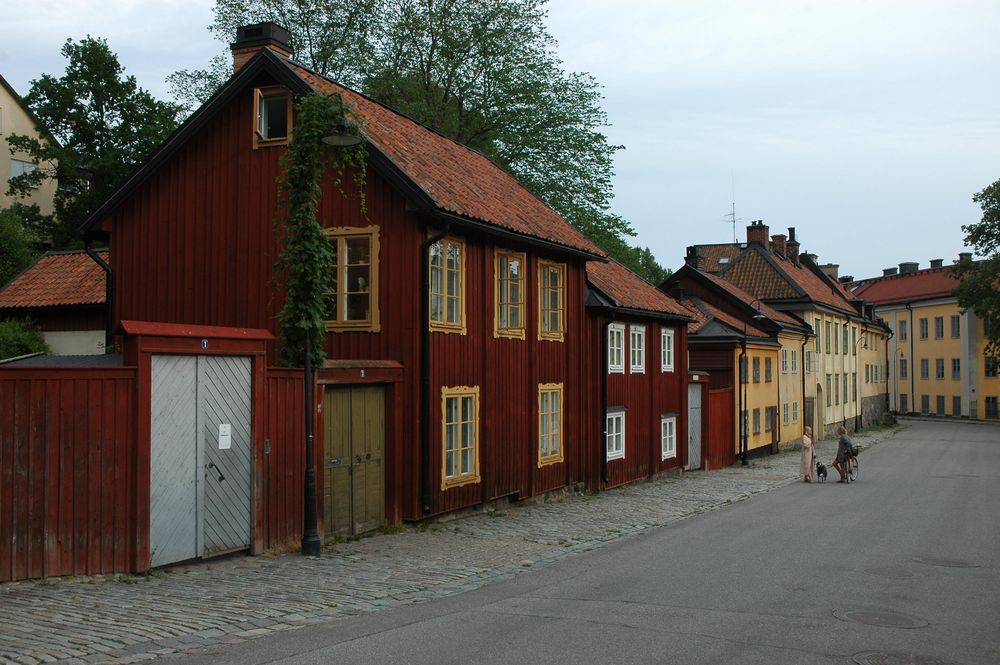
x: 225, y: 436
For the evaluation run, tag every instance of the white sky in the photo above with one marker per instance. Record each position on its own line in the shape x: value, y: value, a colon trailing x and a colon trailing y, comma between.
x: 866, y: 125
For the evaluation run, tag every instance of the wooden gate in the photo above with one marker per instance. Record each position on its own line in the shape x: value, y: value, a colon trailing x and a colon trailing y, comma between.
x: 694, y: 425
x: 200, y: 456
x: 720, y: 447
x: 354, y: 430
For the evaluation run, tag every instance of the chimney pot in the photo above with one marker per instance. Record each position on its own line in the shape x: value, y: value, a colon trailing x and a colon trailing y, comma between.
x: 778, y: 243
x: 830, y: 269
x: 250, y: 39
x: 888, y: 271
x: 964, y: 256
x: 757, y: 233
x: 937, y: 263
x: 908, y: 267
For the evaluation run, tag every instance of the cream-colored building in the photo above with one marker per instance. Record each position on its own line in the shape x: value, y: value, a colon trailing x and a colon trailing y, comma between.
x: 938, y: 364
x: 15, y: 118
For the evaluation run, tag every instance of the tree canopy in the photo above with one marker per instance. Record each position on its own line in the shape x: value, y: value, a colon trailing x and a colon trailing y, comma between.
x: 105, y: 125
x: 482, y: 72
x: 980, y: 280
x: 16, y: 250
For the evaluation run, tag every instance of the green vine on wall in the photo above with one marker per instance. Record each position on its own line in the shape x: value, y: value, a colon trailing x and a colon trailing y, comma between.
x: 305, y: 266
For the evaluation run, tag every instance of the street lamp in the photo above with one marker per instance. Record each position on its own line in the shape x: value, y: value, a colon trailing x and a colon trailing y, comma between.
x: 340, y: 138
x: 859, y: 393
x: 744, y: 378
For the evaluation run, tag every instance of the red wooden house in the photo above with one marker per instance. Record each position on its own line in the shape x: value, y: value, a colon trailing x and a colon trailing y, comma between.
x: 439, y: 394
x: 639, y: 405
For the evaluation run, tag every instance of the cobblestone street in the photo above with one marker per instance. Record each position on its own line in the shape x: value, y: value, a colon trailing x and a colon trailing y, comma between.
x: 186, y: 608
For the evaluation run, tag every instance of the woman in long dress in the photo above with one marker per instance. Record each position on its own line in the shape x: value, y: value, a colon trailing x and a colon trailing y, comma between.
x: 806, y: 465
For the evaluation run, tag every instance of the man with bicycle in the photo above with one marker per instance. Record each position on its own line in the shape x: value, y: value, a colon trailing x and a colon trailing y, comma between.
x: 845, y: 452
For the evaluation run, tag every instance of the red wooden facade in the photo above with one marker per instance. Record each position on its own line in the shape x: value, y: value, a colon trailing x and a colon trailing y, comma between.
x: 67, y: 471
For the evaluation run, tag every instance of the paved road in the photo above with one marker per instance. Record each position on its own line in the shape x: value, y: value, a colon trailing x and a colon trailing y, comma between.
x: 248, y: 605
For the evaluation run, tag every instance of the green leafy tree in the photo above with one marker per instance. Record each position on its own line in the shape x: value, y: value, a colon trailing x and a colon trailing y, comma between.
x: 19, y: 337
x: 17, y: 249
x: 980, y: 280
x: 105, y: 125
x: 482, y: 72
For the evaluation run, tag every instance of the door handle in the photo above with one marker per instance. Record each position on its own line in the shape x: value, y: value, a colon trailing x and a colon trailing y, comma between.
x: 211, y: 465
x: 358, y: 459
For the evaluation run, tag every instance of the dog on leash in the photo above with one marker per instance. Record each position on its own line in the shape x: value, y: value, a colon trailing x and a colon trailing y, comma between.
x: 821, y: 472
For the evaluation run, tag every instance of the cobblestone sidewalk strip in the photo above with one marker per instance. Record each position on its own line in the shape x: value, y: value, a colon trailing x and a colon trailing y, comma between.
x: 125, y: 619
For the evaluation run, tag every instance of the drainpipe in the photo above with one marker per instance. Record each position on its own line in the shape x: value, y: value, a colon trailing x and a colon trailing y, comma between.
x: 109, y: 294
x: 425, y: 372
x: 913, y: 364
x: 604, y: 397
x: 802, y: 370
x: 743, y: 425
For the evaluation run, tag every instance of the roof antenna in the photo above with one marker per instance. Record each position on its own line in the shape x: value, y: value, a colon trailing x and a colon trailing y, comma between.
x: 732, y: 214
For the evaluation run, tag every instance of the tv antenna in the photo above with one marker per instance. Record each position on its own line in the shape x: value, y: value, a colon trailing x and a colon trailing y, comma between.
x: 731, y: 215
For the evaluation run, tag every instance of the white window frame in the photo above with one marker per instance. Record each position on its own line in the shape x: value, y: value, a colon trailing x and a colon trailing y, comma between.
x: 637, y: 349
x: 667, y: 350
x: 616, y: 354
x: 795, y: 412
x: 795, y: 361
x: 784, y: 361
x: 784, y: 413
x: 668, y: 437
x: 616, y: 436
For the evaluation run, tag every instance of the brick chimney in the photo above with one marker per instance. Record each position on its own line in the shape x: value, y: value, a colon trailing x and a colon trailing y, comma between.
x: 908, y: 267
x: 831, y: 270
x: 778, y: 243
x: 937, y: 263
x: 252, y: 38
x: 757, y: 233
x: 792, y: 246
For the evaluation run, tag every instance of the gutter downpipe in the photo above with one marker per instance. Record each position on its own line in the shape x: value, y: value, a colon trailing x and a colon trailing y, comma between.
x: 109, y: 294
x: 913, y: 367
x: 802, y: 368
x: 604, y: 397
x: 425, y: 372
x: 741, y: 384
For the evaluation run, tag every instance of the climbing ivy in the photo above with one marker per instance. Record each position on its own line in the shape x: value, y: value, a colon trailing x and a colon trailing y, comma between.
x: 305, y: 264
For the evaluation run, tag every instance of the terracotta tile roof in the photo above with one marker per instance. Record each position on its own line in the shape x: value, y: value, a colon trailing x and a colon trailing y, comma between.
x: 707, y: 312
x: 629, y: 290
x: 919, y: 285
x: 775, y: 277
x: 713, y: 258
x: 457, y: 179
x: 767, y: 310
x: 57, y: 279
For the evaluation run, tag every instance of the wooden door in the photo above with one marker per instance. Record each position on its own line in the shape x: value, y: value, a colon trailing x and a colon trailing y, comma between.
x: 354, y: 493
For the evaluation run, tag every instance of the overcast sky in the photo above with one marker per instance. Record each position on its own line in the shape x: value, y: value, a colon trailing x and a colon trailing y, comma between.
x: 866, y: 125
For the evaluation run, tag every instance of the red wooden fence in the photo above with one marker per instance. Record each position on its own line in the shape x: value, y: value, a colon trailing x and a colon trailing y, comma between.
x: 720, y: 447
x: 67, y: 489
x: 284, y: 465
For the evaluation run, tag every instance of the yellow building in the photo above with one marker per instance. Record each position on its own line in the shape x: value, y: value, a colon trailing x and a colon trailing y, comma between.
x: 938, y: 363
x: 15, y: 118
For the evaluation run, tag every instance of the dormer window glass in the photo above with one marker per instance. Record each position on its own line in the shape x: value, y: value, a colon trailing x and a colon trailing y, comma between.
x: 272, y: 115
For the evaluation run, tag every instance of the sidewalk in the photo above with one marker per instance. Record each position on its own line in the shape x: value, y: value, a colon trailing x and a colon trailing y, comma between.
x: 187, y: 608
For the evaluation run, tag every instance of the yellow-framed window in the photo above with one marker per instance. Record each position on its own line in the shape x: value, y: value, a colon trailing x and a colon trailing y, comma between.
x: 272, y: 112
x: 550, y: 423
x: 353, y: 302
x: 459, y: 436
x: 551, y: 300
x: 447, y: 301
x: 508, y: 300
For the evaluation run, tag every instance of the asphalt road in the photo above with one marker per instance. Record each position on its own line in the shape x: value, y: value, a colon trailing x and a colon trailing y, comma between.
x: 902, y: 566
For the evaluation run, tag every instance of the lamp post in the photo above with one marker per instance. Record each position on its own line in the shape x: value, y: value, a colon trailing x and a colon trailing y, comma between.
x: 859, y: 393
x: 340, y: 138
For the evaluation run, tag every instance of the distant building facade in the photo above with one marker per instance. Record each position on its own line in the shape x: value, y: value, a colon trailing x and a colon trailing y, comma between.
x: 15, y: 118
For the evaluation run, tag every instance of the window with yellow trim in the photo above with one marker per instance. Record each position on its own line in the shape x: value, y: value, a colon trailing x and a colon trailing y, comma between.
x: 353, y: 302
x: 459, y: 436
x: 272, y: 111
x: 447, y: 297
x: 551, y: 300
x: 550, y: 399
x: 509, y: 295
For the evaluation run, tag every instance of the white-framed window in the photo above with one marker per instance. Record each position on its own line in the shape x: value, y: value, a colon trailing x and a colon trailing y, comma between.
x: 550, y: 400
x: 784, y: 361
x: 667, y: 350
x: 784, y: 413
x: 808, y: 362
x: 668, y: 437
x: 616, y: 348
x: 615, y: 435
x: 795, y: 361
x: 637, y: 348
x: 20, y: 167
x: 459, y: 436
x: 795, y: 412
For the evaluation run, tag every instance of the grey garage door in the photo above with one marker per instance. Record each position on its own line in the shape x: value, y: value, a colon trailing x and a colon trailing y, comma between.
x: 200, y: 466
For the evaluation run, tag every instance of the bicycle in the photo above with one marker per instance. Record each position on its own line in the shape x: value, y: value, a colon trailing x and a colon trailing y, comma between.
x: 853, y: 466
